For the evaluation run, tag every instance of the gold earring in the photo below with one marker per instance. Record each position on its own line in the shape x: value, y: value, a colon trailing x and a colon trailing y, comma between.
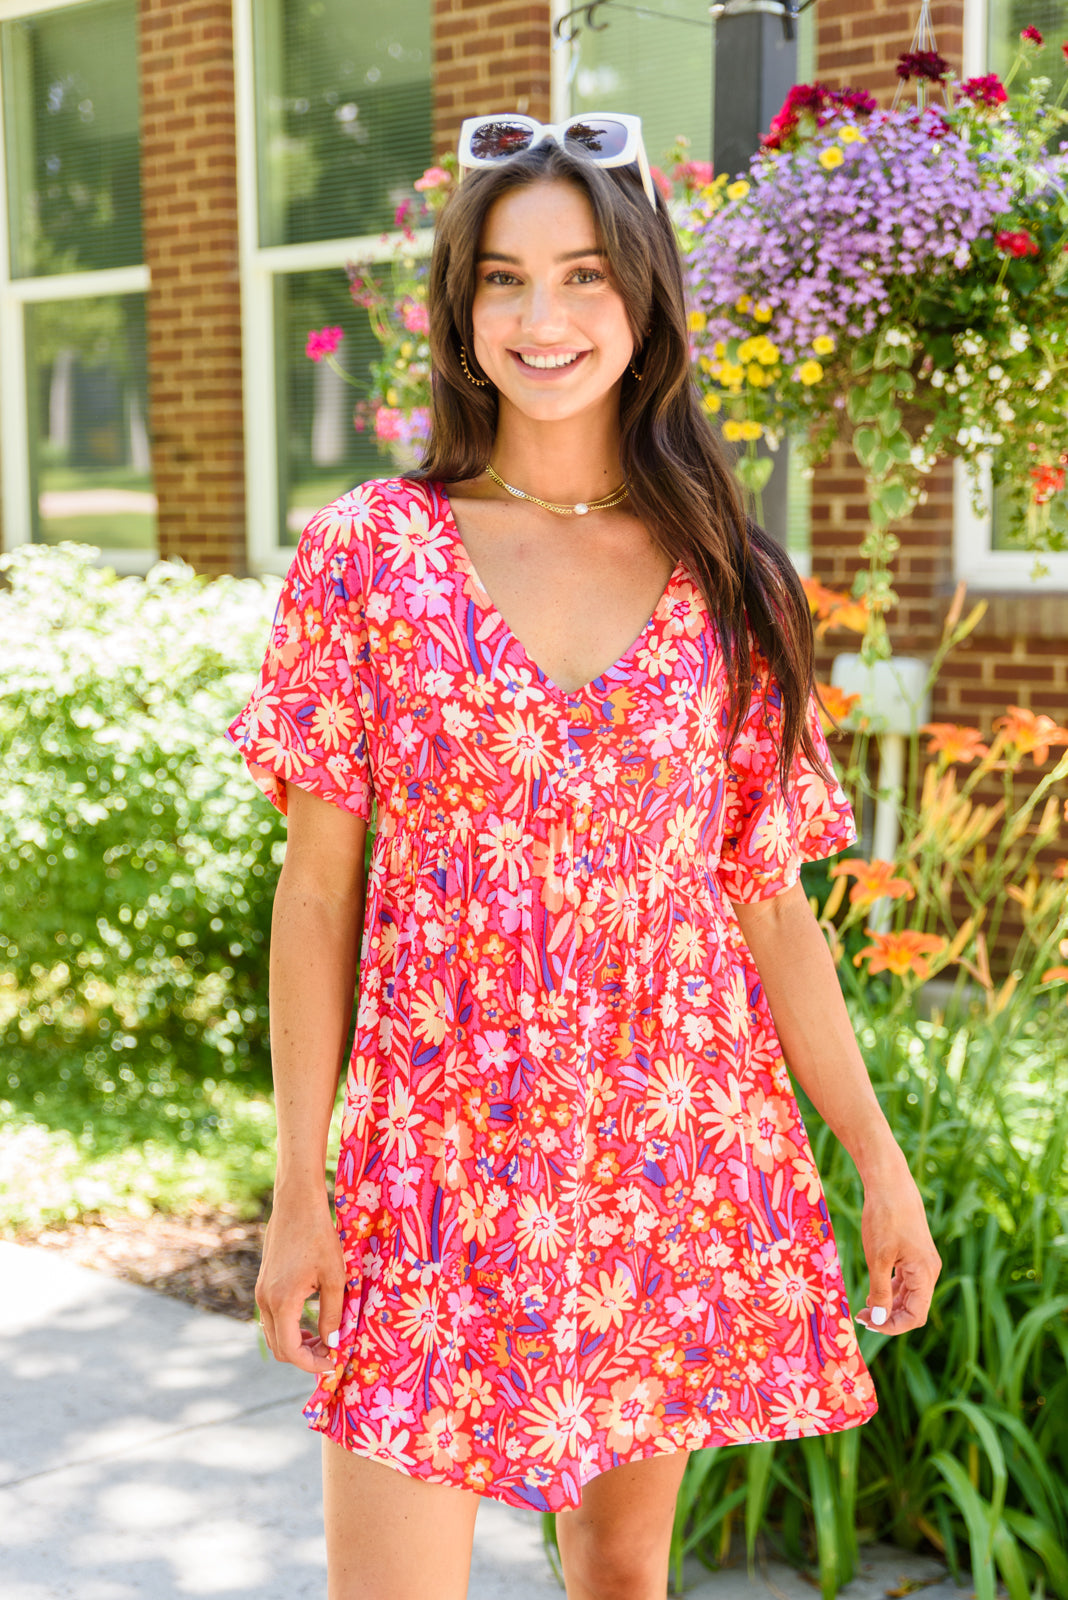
x: 480, y: 383
x: 635, y: 371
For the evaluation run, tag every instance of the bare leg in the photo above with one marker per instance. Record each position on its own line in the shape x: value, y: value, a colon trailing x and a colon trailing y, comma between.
x: 390, y: 1536
x: 616, y: 1545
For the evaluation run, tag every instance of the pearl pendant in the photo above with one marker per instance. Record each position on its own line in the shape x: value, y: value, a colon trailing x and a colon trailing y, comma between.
x: 581, y: 509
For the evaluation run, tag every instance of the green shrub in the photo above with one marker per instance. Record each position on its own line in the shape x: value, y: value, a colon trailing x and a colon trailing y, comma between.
x: 137, y: 861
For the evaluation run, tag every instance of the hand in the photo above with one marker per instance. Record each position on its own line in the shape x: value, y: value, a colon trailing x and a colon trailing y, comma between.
x: 903, y: 1264
x: 302, y: 1256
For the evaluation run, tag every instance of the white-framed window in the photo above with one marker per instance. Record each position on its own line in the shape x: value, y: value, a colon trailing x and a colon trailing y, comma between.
x: 334, y: 119
x: 73, y: 354
x: 983, y: 554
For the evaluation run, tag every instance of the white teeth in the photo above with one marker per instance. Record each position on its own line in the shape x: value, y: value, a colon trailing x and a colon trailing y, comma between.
x: 547, y: 361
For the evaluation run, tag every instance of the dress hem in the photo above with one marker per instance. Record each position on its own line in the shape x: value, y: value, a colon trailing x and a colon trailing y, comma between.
x: 538, y: 1500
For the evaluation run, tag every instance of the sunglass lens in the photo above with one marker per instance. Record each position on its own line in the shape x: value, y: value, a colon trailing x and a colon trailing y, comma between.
x: 601, y: 136
x: 493, y: 141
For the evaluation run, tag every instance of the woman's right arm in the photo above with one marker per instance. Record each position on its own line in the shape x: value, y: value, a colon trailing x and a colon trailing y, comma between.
x: 315, y: 942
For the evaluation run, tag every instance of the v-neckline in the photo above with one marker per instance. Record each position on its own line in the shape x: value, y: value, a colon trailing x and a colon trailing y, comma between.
x: 491, y: 610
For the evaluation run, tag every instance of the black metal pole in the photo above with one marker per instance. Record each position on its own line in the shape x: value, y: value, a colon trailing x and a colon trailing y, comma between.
x: 755, y: 66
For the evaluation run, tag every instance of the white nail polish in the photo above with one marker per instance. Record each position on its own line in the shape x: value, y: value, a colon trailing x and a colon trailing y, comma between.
x: 878, y: 1315
x: 333, y: 1339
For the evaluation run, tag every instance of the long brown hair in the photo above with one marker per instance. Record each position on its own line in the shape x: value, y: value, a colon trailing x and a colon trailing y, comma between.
x: 681, y: 486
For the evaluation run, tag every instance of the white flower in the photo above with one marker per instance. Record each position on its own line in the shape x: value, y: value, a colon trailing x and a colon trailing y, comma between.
x: 1044, y: 379
x: 1019, y: 339
x: 995, y: 373
x: 962, y: 257
x: 897, y: 336
x: 962, y: 374
x: 1004, y: 411
x: 937, y: 379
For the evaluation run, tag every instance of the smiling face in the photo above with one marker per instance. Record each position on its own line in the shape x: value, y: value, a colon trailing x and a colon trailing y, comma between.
x: 550, y: 329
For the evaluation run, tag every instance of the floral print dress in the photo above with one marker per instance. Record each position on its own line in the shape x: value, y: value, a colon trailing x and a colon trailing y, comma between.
x: 578, y: 1206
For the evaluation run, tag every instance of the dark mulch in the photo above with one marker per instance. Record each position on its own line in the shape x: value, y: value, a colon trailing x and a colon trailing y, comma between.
x: 209, y: 1259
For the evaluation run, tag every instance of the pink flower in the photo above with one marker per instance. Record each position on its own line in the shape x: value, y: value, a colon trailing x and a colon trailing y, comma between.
x: 986, y: 91
x: 1031, y: 35
x: 694, y: 174
x: 323, y: 342
x: 433, y: 178
x: 389, y: 423
x: 662, y: 182
x: 415, y: 318
x: 400, y: 216
x: 1016, y: 244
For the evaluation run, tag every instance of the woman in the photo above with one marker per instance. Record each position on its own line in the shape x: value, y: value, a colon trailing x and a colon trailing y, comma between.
x: 579, y: 1230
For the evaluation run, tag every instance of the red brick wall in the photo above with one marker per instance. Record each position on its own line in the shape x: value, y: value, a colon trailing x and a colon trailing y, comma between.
x: 488, y: 57
x: 189, y: 195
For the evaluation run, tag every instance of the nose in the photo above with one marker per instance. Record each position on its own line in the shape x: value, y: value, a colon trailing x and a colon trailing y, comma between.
x: 543, y: 311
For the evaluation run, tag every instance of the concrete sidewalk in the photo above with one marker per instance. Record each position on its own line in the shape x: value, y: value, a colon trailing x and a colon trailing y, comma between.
x: 147, y: 1449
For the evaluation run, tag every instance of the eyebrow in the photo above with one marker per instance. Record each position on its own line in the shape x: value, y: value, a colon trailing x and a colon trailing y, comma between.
x: 514, y: 261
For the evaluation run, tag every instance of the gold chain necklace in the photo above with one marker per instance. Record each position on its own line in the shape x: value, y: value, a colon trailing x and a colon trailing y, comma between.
x: 579, y: 510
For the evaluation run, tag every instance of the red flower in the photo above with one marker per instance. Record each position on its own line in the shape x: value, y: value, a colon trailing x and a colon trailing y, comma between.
x: 1016, y: 244
x: 1032, y: 36
x: 987, y: 91
x: 1047, y: 482
x: 922, y: 64
x: 1064, y: 51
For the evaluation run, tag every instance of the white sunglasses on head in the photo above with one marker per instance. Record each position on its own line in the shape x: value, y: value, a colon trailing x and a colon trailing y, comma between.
x: 608, y: 139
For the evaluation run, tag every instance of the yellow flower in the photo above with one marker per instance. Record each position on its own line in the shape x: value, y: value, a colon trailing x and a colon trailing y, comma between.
x: 730, y: 373
x: 698, y: 321
x: 766, y: 352
x: 809, y: 372
x: 762, y: 312
x: 746, y: 350
x: 823, y: 344
x: 719, y: 349
x: 750, y: 430
x: 744, y: 303
x: 849, y: 135
x: 732, y: 431
x: 756, y: 375
x: 392, y: 397
x: 712, y: 402
x: 737, y: 190
x: 704, y: 363
x: 831, y: 157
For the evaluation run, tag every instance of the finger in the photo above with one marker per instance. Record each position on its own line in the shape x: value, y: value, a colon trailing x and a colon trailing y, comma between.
x: 288, y: 1341
x: 880, y: 1301
x: 331, y: 1305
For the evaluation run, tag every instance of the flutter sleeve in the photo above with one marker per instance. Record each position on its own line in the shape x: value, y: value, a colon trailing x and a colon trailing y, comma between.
x: 305, y: 721
x: 769, y: 832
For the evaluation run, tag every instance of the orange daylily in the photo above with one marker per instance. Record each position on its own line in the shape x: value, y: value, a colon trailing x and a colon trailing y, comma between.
x: 875, y: 881
x: 1058, y: 974
x: 833, y: 608
x: 901, y: 953
x: 1031, y: 733
x: 836, y: 703
x: 953, y: 742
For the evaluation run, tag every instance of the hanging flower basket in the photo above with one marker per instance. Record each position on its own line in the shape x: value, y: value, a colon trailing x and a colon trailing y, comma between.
x: 898, y: 279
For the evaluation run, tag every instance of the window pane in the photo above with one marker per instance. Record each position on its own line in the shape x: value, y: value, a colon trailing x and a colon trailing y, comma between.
x: 70, y: 91
x: 1007, y: 20
x: 343, y: 113
x: 321, y: 453
x: 87, y: 383
x: 653, y: 65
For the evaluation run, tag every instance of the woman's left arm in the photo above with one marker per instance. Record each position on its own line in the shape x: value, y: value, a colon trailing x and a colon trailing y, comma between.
x: 801, y: 984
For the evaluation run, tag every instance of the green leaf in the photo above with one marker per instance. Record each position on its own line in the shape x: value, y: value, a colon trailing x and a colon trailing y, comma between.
x: 890, y: 421
x: 879, y: 384
x: 758, y: 1468
x: 1011, y: 1567
x: 824, y: 1514
x: 754, y: 471
x: 880, y: 463
x: 1039, y: 1538
x: 976, y: 1513
x: 900, y: 446
x: 865, y: 443
x: 860, y: 360
x: 895, y: 499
